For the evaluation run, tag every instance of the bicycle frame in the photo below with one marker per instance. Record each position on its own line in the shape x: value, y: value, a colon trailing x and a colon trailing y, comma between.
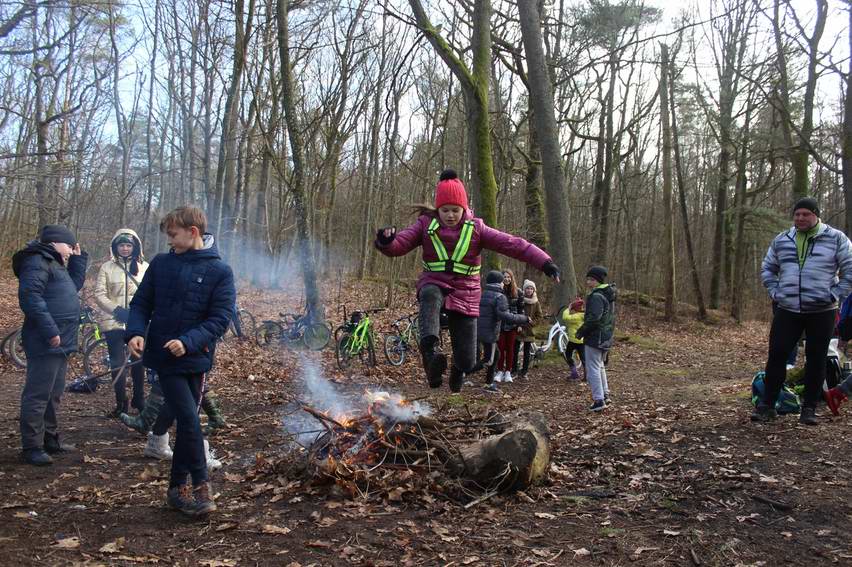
x: 359, y: 335
x: 558, y: 329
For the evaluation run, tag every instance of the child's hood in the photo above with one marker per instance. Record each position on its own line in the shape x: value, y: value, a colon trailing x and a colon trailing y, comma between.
x: 209, y: 250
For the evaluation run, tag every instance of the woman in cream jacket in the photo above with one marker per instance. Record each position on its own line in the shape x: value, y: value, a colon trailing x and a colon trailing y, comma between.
x: 117, y: 281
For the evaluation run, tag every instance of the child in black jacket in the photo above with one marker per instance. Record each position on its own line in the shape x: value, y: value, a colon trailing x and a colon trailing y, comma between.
x: 493, y: 311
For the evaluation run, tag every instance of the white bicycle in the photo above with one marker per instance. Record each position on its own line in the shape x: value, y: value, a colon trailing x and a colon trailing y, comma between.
x: 557, y: 332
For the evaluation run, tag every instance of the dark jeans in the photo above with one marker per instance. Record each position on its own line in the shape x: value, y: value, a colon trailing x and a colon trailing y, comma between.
x: 117, y: 354
x: 182, y: 393
x: 489, y: 360
x: 787, y: 328
x: 527, y: 356
x: 569, y: 354
x: 462, y: 327
x: 40, y: 399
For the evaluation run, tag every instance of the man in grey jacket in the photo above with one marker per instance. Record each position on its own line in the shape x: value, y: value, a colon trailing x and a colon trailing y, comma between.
x: 807, y: 272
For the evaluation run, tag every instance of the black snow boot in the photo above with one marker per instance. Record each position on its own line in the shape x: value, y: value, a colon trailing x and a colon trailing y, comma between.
x: 434, y: 363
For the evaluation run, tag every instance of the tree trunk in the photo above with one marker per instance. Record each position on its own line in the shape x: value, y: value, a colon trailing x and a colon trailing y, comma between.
x: 846, y: 152
x: 297, y: 187
x: 668, y: 211
x: 693, y: 266
x: 475, y: 84
x: 513, y: 459
x: 541, y: 94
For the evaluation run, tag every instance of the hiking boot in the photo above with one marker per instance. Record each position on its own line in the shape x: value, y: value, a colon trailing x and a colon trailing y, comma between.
x: 215, y: 418
x: 53, y: 446
x: 808, y: 416
x: 180, y: 498
x: 456, y: 379
x: 36, y: 457
x: 598, y: 405
x: 574, y: 374
x: 434, y: 363
x: 157, y: 447
x: 204, y: 503
x: 213, y: 464
x: 763, y: 413
x: 146, y: 418
x: 834, y: 398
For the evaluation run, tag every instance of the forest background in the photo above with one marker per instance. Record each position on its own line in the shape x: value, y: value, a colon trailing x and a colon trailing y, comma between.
x: 666, y: 145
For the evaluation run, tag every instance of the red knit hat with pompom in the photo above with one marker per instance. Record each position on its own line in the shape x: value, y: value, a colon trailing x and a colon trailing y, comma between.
x: 450, y: 190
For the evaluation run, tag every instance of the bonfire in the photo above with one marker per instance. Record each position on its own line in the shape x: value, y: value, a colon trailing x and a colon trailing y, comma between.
x: 492, y: 452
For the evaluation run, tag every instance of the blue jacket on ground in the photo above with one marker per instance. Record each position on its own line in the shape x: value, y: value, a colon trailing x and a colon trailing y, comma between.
x: 189, y: 297
x: 47, y: 293
x: 814, y: 286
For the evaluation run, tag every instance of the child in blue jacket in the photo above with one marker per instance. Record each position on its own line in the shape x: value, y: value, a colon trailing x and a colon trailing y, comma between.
x: 183, y: 305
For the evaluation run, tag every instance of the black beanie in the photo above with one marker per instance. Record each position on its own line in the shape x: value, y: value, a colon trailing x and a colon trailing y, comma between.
x: 597, y: 272
x: 57, y: 233
x: 808, y: 203
x: 493, y: 277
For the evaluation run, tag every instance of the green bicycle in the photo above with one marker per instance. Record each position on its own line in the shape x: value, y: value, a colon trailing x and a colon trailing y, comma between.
x: 354, y: 339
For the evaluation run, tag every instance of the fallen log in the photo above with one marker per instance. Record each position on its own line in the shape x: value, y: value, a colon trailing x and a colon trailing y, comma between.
x: 513, y: 459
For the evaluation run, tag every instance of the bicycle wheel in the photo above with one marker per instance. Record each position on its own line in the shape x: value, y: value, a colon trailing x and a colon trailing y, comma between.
x: 563, y: 343
x: 96, y: 361
x: 4, y: 345
x: 342, y: 351
x: 269, y: 333
x: 245, y: 325
x: 316, y: 336
x: 16, y: 350
x: 395, y: 349
x: 368, y: 355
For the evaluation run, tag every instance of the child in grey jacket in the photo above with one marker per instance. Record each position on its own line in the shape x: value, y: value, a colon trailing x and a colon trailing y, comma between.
x: 493, y: 310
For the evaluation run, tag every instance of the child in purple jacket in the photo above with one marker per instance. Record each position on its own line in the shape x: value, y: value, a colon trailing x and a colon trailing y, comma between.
x: 452, y: 240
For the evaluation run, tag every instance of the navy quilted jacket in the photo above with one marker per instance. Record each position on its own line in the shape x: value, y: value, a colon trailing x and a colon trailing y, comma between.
x: 494, y: 311
x: 815, y: 286
x: 189, y: 297
x: 47, y: 293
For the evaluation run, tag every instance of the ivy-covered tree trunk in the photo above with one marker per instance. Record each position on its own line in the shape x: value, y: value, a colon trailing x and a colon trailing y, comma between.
x: 475, y: 83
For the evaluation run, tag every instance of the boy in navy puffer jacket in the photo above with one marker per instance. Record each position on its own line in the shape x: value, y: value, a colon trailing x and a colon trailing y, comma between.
x: 186, y: 301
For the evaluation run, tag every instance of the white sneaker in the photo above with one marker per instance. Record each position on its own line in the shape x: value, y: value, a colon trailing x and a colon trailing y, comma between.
x: 498, y: 376
x: 157, y: 447
x: 212, y: 462
x: 507, y: 377
x: 791, y: 366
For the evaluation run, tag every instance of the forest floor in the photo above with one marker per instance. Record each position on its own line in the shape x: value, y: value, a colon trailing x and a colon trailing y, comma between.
x: 673, y: 473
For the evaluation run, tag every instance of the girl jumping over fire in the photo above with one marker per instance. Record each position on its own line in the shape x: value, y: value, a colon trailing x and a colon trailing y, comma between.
x: 452, y: 240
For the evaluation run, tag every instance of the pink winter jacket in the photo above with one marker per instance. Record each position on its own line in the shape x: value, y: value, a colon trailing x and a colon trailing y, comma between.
x: 462, y: 292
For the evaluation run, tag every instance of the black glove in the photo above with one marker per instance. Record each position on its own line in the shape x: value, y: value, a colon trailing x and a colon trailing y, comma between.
x: 385, y: 240
x: 121, y: 314
x: 550, y: 270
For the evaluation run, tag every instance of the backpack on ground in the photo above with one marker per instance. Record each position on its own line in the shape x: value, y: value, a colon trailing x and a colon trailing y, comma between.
x: 788, y: 401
